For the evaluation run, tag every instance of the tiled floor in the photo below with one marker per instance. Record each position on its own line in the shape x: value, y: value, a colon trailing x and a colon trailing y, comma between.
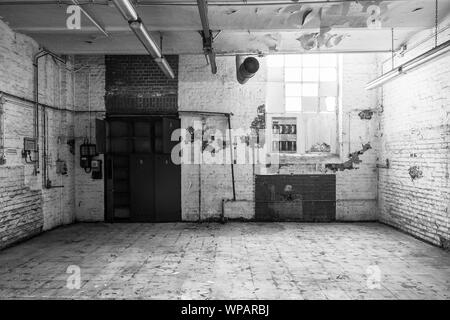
x: 231, y: 261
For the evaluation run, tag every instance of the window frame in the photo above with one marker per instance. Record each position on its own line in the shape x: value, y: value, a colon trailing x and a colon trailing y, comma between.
x: 299, y: 114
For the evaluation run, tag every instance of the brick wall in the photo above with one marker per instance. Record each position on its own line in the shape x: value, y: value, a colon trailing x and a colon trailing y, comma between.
x: 20, y: 208
x: 135, y: 84
x: 27, y: 207
x: 414, y: 193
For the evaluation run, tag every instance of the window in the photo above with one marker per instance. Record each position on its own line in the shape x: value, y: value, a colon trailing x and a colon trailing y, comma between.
x: 284, y: 134
x: 303, y: 89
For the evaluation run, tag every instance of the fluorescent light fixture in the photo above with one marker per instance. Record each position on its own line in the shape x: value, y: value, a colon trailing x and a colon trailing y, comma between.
x: 127, y: 9
x: 140, y: 31
x: 410, y: 65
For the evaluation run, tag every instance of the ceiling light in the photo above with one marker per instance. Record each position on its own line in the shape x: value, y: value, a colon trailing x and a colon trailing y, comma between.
x: 127, y: 9
x: 141, y: 32
x: 410, y: 65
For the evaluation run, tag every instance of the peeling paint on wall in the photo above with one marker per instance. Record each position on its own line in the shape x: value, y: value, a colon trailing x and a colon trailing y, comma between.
x: 415, y: 173
x: 366, y: 114
x: 259, y: 123
x: 349, y: 164
x: 316, y: 40
x: 260, y: 120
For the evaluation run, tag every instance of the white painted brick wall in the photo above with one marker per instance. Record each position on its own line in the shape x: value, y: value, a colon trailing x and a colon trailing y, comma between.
x: 415, y: 126
x: 56, y: 206
x: 90, y: 92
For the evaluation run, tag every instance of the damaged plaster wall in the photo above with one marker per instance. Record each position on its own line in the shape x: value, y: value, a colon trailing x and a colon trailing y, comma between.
x: 26, y: 207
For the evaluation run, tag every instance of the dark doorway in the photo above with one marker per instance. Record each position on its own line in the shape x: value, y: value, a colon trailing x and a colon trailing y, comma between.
x: 142, y: 182
x: 304, y: 198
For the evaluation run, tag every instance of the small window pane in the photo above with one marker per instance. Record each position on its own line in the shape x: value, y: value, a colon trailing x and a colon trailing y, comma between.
x: 328, y: 89
x: 311, y: 74
x: 293, y: 104
x: 328, y: 74
x: 328, y: 104
x: 310, y: 104
x: 311, y: 60
x: 293, y: 89
x: 293, y: 74
x: 328, y: 60
x: 310, y: 90
x: 274, y: 61
x: 292, y: 60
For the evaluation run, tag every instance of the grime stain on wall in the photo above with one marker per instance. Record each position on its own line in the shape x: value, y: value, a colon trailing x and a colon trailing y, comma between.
x: 366, y: 114
x: 415, y: 173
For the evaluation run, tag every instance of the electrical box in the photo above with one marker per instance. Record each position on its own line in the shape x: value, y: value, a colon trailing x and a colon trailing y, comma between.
x: 96, y: 166
x: 29, y: 146
x: 61, y: 167
x: 87, y: 152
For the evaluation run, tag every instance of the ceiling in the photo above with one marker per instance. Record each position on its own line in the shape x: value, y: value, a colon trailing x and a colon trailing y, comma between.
x: 241, y: 26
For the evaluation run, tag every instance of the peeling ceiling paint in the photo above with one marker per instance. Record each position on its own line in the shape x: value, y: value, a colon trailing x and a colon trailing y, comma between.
x: 295, y: 27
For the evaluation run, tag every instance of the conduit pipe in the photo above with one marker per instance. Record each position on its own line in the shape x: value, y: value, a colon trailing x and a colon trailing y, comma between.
x: 40, y: 54
x: 129, y: 13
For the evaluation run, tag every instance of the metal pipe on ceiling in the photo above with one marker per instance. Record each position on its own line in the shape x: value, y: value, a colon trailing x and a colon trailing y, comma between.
x: 235, y: 3
x: 128, y: 11
x: 140, y: 31
x: 207, y: 35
